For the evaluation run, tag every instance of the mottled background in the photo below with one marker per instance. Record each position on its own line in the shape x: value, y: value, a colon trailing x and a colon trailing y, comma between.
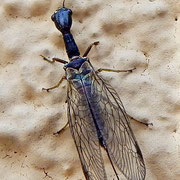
x: 133, y: 33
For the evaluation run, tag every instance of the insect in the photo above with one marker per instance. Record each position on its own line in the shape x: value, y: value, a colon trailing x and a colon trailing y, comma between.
x: 96, y: 115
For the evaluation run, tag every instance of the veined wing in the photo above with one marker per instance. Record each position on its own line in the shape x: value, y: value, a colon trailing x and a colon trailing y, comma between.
x: 97, y: 116
x: 84, y: 134
x: 120, y: 142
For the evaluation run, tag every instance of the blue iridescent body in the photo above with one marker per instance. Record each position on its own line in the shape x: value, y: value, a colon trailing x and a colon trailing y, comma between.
x: 63, y: 22
x: 96, y: 115
x: 81, y: 79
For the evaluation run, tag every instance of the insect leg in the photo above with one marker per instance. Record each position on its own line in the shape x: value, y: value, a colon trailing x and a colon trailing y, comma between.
x: 128, y: 70
x: 56, y: 86
x: 89, y: 48
x: 113, y: 70
x: 53, y: 60
x: 145, y: 123
x: 62, y: 129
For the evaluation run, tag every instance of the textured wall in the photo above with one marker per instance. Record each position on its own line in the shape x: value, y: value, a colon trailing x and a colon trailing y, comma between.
x: 144, y: 34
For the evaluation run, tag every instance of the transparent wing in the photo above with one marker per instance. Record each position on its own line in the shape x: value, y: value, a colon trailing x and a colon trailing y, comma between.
x: 85, y: 136
x: 97, y: 116
x: 119, y: 140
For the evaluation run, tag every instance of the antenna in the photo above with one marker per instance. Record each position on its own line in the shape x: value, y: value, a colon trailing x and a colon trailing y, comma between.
x: 63, y: 3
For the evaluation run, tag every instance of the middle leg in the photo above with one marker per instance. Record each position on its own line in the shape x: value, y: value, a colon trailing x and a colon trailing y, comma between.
x: 128, y: 70
x: 56, y: 86
x: 113, y: 70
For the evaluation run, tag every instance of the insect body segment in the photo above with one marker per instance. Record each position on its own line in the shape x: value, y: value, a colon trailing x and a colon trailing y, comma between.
x: 96, y: 115
x: 63, y: 21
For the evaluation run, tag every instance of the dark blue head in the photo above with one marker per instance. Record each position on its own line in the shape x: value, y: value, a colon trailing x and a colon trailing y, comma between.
x: 62, y: 19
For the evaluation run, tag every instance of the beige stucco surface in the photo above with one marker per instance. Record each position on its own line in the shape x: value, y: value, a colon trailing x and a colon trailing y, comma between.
x: 144, y: 34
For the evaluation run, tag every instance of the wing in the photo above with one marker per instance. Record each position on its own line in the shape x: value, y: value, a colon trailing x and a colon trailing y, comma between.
x: 119, y: 140
x: 97, y: 116
x: 85, y: 136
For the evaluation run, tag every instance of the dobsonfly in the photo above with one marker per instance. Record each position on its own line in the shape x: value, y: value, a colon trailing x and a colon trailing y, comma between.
x: 96, y: 115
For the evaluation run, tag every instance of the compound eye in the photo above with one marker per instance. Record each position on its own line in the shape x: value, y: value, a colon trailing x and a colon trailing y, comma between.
x: 53, y: 17
x: 70, y: 12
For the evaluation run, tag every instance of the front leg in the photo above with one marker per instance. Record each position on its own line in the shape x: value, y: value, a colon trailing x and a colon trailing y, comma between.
x: 54, y: 60
x: 89, y: 48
